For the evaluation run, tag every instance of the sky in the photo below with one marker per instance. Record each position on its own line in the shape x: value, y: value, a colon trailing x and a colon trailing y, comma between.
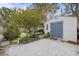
x: 59, y: 10
x: 25, y: 5
x: 17, y: 5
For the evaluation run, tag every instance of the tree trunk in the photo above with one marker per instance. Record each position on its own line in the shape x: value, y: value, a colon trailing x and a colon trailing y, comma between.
x: 29, y: 32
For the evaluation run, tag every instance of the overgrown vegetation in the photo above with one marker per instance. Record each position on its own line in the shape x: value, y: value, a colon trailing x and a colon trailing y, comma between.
x: 30, y: 19
x: 11, y: 32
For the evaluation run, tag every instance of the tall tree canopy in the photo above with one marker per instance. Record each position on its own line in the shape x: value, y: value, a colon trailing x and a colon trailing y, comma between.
x: 45, y: 8
x: 72, y: 9
x: 5, y: 13
x: 29, y: 19
x: 10, y: 28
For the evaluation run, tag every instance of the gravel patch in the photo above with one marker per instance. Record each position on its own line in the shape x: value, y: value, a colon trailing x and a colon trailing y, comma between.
x: 3, y: 51
x: 44, y: 47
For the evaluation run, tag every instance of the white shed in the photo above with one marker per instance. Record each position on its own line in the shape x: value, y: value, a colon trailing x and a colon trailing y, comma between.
x: 62, y: 27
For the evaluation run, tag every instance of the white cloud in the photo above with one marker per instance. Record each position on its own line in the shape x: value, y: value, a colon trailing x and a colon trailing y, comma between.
x: 17, y: 5
x: 6, y: 5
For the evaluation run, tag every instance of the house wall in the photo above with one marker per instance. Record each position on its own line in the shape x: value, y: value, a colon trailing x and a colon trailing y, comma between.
x: 69, y: 27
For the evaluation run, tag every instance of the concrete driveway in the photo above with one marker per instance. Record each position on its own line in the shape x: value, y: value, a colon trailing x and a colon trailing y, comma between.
x: 44, y: 47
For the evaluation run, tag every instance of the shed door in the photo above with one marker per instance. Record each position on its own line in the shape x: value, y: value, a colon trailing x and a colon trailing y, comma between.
x: 56, y: 30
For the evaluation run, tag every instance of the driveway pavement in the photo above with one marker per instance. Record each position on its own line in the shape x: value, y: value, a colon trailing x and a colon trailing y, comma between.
x: 44, y: 47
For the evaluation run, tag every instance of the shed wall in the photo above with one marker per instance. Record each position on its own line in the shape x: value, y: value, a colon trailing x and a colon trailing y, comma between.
x: 69, y: 27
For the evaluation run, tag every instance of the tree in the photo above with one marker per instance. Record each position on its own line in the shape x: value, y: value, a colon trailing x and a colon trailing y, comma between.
x: 10, y: 28
x: 72, y: 9
x: 45, y: 8
x: 28, y: 19
x: 5, y: 13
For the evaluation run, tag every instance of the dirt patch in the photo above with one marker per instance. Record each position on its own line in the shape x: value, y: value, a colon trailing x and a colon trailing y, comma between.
x: 71, y: 42
x: 78, y: 52
x: 3, y: 51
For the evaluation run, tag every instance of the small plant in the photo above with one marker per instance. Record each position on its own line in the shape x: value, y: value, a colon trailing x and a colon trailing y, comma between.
x: 12, y: 42
x: 25, y: 39
x: 46, y: 35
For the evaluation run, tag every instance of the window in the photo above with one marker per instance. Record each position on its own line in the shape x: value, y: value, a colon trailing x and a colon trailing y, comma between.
x: 46, y: 26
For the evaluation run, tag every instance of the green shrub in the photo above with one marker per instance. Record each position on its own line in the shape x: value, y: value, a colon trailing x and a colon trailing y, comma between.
x: 25, y: 39
x: 29, y: 39
x: 11, y: 42
x: 11, y: 32
x: 46, y: 35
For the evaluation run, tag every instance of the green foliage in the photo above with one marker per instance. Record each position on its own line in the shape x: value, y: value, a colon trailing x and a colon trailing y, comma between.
x: 28, y: 19
x: 43, y: 7
x: 28, y: 39
x: 14, y: 19
x: 22, y: 35
x: 12, y: 42
x: 46, y: 35
x: 46, y: 8
x: 25, y: 39
x: 5, y: 13
x: 11, y: 32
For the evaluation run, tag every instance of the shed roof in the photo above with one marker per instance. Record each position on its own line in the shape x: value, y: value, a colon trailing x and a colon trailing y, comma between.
x: 58, y: 17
